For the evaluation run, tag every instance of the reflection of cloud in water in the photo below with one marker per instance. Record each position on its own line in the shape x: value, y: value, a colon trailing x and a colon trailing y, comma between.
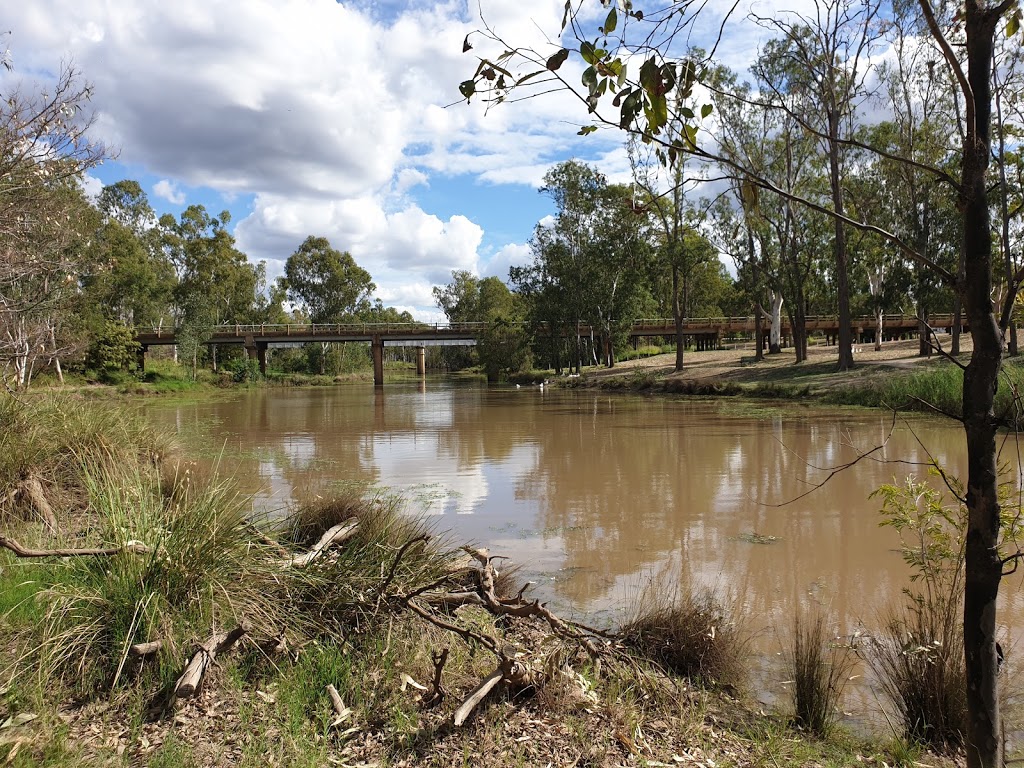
x: 300, y: 450
x: 435, y: 484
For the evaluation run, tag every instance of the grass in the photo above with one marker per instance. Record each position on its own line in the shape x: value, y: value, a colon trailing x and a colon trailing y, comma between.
x: 690, y: 632
x: 819, y: 668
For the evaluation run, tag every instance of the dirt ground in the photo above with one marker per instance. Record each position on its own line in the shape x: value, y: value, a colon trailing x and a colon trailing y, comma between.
x: 736, y: 363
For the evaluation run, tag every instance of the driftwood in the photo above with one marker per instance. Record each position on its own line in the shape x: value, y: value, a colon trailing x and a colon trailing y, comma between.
x: 479, y: 694
x: 145, y: 649
x: 332, y: 536
x: 32, y: 491
x: 134, y: 547
x: 192, y: 678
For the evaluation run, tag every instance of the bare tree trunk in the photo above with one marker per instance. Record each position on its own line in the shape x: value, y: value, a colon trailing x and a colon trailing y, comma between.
x: 775, y: 334
x: 983, y: 566
x: 677, y: 315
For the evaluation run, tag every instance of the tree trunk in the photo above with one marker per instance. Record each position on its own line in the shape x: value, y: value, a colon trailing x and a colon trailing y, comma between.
x: 677, y: 315
x: 983, y: 567
x: 879, y: 315
x: 759, y: 314
x: 775, y: 334
x: 842, y: 279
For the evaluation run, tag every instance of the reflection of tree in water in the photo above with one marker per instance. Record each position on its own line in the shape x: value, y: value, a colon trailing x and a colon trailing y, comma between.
x: 632, y: 483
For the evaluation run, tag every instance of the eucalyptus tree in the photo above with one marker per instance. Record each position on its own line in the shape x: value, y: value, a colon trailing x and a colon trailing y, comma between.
x: 640, y: 104
x: 328, y: 285
x: 130, y: 280
x: 45, y: 149
x: 215, y: 282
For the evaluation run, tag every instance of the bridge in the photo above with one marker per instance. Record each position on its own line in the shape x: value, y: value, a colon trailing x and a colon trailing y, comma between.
x: 707, y: 332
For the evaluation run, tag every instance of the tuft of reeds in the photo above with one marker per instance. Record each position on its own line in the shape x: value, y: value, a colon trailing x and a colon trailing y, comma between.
x: 690, y: 632
x: 819, y: 667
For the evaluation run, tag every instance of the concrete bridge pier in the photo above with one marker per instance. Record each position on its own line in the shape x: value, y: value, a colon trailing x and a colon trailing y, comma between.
x: 421, y: 361
x: 377, y: 348
x: 257, y: 351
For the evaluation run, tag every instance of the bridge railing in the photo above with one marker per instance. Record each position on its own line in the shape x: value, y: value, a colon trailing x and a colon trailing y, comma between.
x: 256, y: 330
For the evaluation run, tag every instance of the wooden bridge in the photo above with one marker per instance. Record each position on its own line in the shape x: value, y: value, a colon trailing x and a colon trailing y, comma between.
x: 706, y: 331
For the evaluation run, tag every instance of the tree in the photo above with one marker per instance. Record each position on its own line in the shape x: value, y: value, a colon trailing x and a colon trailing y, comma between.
x: 44, y: 150
x: 967, y: 46
x: 326, y: 282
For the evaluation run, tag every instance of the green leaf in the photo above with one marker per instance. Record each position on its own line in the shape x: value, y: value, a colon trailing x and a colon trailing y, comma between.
x: 467, y: 88
x: 590, y: 78
x: 565, y: 16
x: 529, y: 75
x: 649, y: 76
x: 705, y: 111
x: 1013, y: 24
x: 586, y: 129
x: 687, y: 113
x: 591, y: 53
x: 611, y: 21
x: 558, y: 59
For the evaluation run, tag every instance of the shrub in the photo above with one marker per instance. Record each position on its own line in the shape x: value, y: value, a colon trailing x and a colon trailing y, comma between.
x: 919, y: 656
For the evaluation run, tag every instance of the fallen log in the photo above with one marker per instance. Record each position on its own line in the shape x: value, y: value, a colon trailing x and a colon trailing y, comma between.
x: 134, y: 547
x: 479, y: 694
x: 32, y: 490
x: 334, y: 535
x: 192, y: 678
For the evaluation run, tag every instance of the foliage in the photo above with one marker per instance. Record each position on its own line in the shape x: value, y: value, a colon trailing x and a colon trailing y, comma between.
x: 326, y: 282
x: 44, y: 150
x: 919, y: 658
x: 114, y: 348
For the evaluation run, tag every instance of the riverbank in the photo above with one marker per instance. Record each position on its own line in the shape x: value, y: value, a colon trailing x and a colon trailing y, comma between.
x: 895, y: 377
x: 373, y: 616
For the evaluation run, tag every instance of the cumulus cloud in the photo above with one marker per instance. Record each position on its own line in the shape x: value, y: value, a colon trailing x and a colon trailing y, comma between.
x: 169, y: 191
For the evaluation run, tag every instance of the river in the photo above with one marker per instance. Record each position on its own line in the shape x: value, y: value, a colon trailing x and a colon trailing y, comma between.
x: 598, y: 495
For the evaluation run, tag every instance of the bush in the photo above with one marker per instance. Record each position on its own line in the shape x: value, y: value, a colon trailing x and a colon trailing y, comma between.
x: 113, y: 349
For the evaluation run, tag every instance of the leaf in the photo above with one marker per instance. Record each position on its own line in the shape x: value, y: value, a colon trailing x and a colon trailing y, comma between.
x: 687, y: 113
x: 466, y: 45
x: 527, y: 76
x: 611, y: 21
x: 1013, y: 24
x: 16, y: 720
x: 565, y: 16
x: 558, y: 59
x: 590, y: 79
x: 591, y: 53
x: 705, y: 111
x: 467, y: 88
x: 586, y: 130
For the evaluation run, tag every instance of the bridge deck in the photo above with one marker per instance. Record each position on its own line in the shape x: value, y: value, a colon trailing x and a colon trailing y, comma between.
x: 265, y: 334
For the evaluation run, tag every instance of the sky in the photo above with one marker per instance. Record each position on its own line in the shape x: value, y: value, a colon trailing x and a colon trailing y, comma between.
x: 335, y: 119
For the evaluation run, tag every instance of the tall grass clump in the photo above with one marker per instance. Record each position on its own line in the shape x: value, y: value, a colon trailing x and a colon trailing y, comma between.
x: 918, y: 657
x: 819, y: 667
x: 202, y: 572
x: 688, y: 631
x: 50, y: 437
x: 389, y: 553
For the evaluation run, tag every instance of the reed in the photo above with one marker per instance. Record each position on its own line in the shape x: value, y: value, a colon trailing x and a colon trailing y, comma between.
x: 819, y: 667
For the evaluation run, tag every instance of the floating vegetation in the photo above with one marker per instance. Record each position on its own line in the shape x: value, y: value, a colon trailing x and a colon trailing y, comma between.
x: 757, y: 538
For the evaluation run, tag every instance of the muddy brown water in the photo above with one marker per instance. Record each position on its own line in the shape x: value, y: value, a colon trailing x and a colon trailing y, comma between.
x: 599, y: 495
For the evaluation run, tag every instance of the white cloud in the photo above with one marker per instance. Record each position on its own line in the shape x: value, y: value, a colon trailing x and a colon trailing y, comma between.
x: 169, y: 191
x: 511, y: 255
x: 91, y: 186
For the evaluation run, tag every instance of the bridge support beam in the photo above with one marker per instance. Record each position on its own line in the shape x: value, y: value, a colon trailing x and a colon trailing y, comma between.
x: 421, y: 361
x: 377, y: 348
x: 261, y: 357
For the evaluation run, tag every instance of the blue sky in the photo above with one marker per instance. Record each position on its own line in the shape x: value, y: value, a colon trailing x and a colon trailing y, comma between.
x: 314, y: 117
